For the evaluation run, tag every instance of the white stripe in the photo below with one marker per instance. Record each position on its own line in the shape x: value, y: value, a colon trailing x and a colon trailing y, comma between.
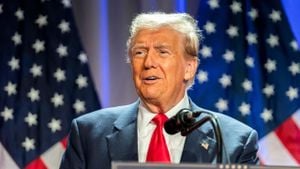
x: 5, y: 159
x: 272, y: 151
x: 296, y: 118
x: 52, y: 157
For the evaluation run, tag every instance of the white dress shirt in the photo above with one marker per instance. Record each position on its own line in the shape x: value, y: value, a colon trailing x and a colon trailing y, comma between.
x: 146, y: 127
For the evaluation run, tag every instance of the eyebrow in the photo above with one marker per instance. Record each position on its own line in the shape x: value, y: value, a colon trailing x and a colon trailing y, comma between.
x: 138, y: 45
x: 144, y: 46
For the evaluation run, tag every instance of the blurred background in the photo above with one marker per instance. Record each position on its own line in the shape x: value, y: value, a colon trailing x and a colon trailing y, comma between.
x: 62, y: 59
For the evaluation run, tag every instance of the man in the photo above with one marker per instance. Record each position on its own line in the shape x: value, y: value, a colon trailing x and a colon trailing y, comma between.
x: 162, y: 52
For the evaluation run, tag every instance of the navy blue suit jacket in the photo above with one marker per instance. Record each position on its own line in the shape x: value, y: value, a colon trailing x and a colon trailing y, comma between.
x: 107, y: 135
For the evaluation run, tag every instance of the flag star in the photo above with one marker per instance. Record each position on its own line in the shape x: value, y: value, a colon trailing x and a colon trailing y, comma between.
x: 11, y: 88
x: 59, y: 75
x: 19, y: 14
x: 232, y: 31
x: 247, y: 85
x: 79, y: 106
x: 275, y: 16
x: 28, y: 144
x: 41, y: 20
x: 294, y: 45
x: 268, y: 90
x: 266, y: 115
x: 213, y: 4
x: 244, y: 108
x: 292, y: 93
x: 228, y: 56
x: 253, y: 14
x: 17, y: 39
x: 251, y: 38
x: 38, y: 46
x: 236, y: 7
x: 81, y: 81
x: 57, y: 100
x: 270, y: 65
x: 210, y: 27
x: 36, y: 70
x: 222, y: 105
x: 62, y: 50
x: 294, y: 68
x: 7, y: 114
x: 82, y: 57
x: 54, y: 125
x: 225, y: 80
x: 34, y: 95
x: 14, y: 64
x: 249, y: 61
x: 31, y: 119
x: 202, y: 76
x: 273, y: 40
x: 206, y: 51
x: 66, y: 3
x: 64, y: 26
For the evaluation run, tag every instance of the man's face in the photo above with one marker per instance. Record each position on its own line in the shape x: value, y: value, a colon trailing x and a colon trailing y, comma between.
x: 160, y: 68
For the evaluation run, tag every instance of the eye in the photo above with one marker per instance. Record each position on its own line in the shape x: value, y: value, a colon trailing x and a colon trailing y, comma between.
x: 164, y: 52
x: 139, y: 53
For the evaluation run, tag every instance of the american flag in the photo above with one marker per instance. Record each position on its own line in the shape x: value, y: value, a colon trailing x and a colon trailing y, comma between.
x: 250, y: 69
x: 44, y: 82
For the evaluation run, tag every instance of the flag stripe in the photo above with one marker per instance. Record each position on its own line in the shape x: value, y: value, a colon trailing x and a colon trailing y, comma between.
x: 36, y: 164
x: 289, y: 134
x: 52, y: 156
x: 273, y: 152
x: 5, y: 159
x: 296, y: 118
x: 64, y: 142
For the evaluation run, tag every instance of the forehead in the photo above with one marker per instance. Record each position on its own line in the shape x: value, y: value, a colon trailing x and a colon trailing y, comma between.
x: 158, y: 35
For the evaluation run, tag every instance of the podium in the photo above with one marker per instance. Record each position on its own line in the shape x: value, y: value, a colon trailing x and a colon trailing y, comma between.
x: 135, y: 165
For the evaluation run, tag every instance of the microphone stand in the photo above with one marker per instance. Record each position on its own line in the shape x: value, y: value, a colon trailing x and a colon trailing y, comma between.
x: 214, y: 122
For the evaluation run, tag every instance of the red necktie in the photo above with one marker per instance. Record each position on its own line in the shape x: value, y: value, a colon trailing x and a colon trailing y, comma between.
x: 158, y: 150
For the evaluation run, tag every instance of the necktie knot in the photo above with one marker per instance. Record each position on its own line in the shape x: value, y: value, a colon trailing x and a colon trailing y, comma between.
x: 160, y: 119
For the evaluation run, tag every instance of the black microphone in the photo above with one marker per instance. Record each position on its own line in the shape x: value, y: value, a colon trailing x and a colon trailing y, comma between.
x: 185, y: 118
x: 185, y: 122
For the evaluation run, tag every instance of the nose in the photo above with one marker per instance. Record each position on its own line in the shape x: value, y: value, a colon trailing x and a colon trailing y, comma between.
x: 150, y: 60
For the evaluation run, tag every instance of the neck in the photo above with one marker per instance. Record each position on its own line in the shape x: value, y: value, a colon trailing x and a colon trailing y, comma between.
x: 158, y: 107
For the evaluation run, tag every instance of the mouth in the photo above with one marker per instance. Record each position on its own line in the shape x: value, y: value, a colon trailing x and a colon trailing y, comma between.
x: 150, y: 79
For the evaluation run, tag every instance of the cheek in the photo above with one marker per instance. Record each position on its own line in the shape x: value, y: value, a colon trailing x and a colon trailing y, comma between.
x: 136, y: 71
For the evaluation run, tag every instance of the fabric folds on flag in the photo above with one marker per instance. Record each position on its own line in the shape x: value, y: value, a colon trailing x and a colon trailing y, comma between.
x: 44, y: 82
x: 250, y: 69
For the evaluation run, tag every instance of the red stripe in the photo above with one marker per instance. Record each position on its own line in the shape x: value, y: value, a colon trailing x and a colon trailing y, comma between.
x: 64, y: 141
x: 289, y: 134
x: 36, y: 164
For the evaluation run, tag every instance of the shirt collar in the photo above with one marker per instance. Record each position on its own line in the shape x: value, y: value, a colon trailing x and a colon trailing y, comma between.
x: 145, y: 116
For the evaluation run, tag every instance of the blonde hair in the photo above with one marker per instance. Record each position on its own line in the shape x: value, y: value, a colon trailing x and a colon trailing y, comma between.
x: 181, y: 22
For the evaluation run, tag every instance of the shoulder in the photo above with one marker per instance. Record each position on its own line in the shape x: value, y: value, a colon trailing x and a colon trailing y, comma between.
x: 232, y: 130
x: 227, y: 123
x: 106, y: 115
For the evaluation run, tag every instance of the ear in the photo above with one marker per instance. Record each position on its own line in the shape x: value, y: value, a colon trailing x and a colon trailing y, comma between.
x: 190, y: 68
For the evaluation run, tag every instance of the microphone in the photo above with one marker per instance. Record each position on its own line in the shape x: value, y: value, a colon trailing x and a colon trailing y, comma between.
x: 184, y: 119
x: 185, y: 122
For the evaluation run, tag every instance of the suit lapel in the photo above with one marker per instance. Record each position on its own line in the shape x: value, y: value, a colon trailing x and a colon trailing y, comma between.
x: 200, y: 145
x: 122, y: 144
